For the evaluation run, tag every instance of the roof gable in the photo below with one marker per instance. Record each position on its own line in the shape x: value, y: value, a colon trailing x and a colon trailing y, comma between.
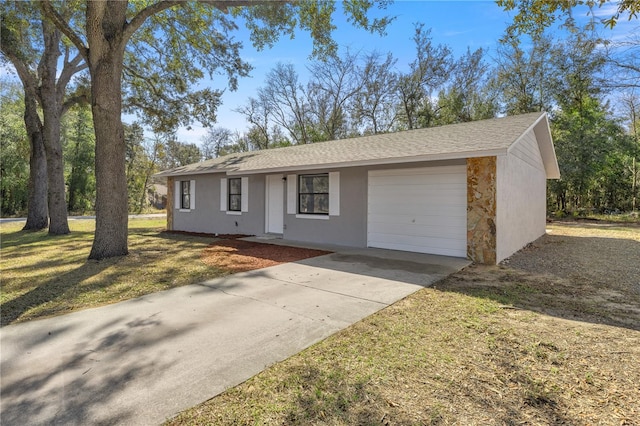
x: 474, y: 139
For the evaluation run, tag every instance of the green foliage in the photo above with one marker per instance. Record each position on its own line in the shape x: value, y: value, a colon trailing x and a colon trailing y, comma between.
x: 180, y: 154
x: 524, y: 78
x: 161, y: 72
x: 78, y: 141
x: 468, y: 97
x: 588, y: 140
x: 14, y: 145
x: 534, y: 16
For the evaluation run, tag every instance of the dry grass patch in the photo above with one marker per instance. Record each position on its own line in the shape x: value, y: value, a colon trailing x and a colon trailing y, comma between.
x: 522, y: 343
x: 44, y: 276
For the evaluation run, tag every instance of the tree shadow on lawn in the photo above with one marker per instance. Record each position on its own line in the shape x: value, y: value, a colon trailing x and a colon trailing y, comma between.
x: 59, y: 291
x: 590, y: 279
x: 55, y: 288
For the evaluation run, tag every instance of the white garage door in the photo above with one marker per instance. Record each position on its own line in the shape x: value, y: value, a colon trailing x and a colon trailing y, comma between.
x: 422, y: 210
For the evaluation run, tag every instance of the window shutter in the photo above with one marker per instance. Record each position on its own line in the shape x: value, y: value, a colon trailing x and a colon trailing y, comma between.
x: 177, y: 194
x: 334, y: 194
x: 244, y: 197
x: 192, y: 194
x: 292, y: 195
x: 223, y: 195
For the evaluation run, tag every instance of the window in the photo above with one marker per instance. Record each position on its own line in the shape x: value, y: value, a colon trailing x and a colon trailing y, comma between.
x: 185, y: 194
x: 235, y: 194
x: 313, y: 194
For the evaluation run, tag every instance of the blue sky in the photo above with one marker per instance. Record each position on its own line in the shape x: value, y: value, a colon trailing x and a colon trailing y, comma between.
x: 458, y: 24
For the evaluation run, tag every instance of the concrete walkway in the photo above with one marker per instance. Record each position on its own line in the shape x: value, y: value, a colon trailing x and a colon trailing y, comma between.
x: 142, y: 361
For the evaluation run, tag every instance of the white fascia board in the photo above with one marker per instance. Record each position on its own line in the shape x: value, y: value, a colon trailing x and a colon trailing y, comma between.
x: 377, y: 162
x: 191, y: 173
x: 545, y: 145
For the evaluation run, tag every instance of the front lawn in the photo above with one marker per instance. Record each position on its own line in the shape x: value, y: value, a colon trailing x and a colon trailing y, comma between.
x: 44, y: 276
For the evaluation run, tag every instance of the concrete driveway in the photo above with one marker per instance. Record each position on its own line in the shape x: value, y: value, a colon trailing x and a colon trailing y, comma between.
x: 142, y: 361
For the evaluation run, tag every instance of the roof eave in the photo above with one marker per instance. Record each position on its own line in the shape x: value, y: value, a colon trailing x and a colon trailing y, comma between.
x: 376, y: 162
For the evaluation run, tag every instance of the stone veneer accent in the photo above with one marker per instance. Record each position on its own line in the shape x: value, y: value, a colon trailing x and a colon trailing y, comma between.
x: 170, y: 203
x: 481, y: 210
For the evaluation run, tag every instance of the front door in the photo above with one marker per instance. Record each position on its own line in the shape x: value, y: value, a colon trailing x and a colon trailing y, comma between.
x: 274, y: 204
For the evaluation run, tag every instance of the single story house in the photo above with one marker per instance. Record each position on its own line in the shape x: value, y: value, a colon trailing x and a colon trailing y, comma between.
x: 474, y: 190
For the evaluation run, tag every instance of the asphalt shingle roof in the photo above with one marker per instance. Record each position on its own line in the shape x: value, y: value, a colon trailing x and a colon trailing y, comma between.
x: 478, y: 138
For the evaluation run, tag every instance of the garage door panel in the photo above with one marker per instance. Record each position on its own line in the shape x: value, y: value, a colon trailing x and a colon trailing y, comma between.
x: 423, y: 189
x: 409, y: 225
x: 420, y: 244
x: 418, y: 210
x: 422, y: 210
x: 435, y: 231
x: 399, y: 200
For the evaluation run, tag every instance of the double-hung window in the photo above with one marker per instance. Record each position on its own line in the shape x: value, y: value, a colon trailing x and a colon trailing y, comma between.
x: 235, y: 194
x: 185, y: 194
x: 313, y: 194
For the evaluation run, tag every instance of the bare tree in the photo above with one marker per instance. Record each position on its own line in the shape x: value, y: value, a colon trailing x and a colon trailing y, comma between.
x: 428, y: 72
x: 624, y: 58
x: 257, y: 113
x: 334, y: 83
x: 286, y: 100
x: 373, y: 109
x: 214, y: 142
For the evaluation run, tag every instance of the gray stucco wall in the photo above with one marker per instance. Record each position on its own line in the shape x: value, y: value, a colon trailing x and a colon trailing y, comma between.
x: 207, y: 217
x: 349, y: 228
x: 521, y: 197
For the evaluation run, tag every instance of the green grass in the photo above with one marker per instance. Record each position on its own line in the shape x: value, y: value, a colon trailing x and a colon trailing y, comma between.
x: 46, y: 275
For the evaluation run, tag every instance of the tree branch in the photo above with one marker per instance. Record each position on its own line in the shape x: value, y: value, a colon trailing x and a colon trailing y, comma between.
x: 151, y: 10
x: 69, y: 70
x: 61, y: 24
x: 145, y: 13
x: 74, y: 100
x: 27, y: 78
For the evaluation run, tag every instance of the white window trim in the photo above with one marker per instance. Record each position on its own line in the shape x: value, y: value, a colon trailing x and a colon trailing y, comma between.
x: 334, y: 197
x: 313, y: 216
x: 244, y: 196
x: 178, y: 196
x: 223, y: 195
x: 292, y: 194
x: 334, y: 193
x: 192, y: 195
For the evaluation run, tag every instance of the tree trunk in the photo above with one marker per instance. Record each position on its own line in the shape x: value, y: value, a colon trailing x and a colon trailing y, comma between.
x: 55, y: 171
x: 52, y: 112
x: 105, y: 66
x: 37, y: 213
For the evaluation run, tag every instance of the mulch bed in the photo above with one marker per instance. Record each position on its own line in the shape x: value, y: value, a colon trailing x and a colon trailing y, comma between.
x: 238, y: 256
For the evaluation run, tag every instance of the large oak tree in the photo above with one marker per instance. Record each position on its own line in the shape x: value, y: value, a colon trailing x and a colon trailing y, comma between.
x: 102, y: 39
x: 35, y: 52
